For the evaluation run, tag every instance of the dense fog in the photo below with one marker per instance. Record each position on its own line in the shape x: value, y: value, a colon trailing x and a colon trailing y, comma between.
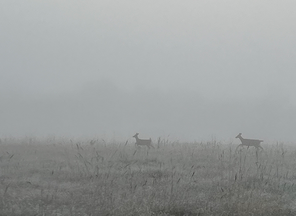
x: 194, y: 70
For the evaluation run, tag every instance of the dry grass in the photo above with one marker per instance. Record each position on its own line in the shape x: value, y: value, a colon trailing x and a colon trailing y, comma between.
x: 89, y: 177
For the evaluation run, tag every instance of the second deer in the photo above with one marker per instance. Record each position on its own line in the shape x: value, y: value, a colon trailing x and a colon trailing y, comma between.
x: 248, y: 142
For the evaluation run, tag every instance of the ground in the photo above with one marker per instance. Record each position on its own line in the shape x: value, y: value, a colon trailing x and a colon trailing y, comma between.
x: 91, y: 177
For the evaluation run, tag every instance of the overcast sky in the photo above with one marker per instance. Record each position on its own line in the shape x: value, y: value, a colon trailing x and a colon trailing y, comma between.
x: 190, y: 70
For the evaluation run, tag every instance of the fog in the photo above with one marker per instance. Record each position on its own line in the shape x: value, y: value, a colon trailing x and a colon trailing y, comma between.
x: 182, y: 70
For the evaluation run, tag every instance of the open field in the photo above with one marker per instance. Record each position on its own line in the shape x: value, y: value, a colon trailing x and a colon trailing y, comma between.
x: 91, y: 177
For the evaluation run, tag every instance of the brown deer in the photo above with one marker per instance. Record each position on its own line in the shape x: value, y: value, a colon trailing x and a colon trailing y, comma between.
x: 248, y: 142
x: 143, y: 142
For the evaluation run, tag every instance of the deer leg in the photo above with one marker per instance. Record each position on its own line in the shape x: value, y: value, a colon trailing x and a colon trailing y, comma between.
x: 240, y: 145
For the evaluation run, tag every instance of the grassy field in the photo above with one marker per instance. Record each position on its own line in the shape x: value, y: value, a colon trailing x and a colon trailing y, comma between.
x: 91, y: 177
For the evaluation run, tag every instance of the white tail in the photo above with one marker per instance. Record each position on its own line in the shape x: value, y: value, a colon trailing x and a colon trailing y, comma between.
x: 249, y: 142
x: 143, y: 142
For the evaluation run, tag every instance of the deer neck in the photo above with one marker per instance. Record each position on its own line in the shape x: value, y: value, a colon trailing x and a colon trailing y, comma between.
x: 241, y: 139
x: 137, y: 138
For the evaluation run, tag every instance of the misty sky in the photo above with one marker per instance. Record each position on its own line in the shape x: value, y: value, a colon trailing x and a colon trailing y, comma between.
x: 190, y: 70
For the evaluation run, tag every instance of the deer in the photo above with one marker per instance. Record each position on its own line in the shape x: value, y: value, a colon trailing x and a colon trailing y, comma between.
x: 249, y: 142
x: 143, y: 142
